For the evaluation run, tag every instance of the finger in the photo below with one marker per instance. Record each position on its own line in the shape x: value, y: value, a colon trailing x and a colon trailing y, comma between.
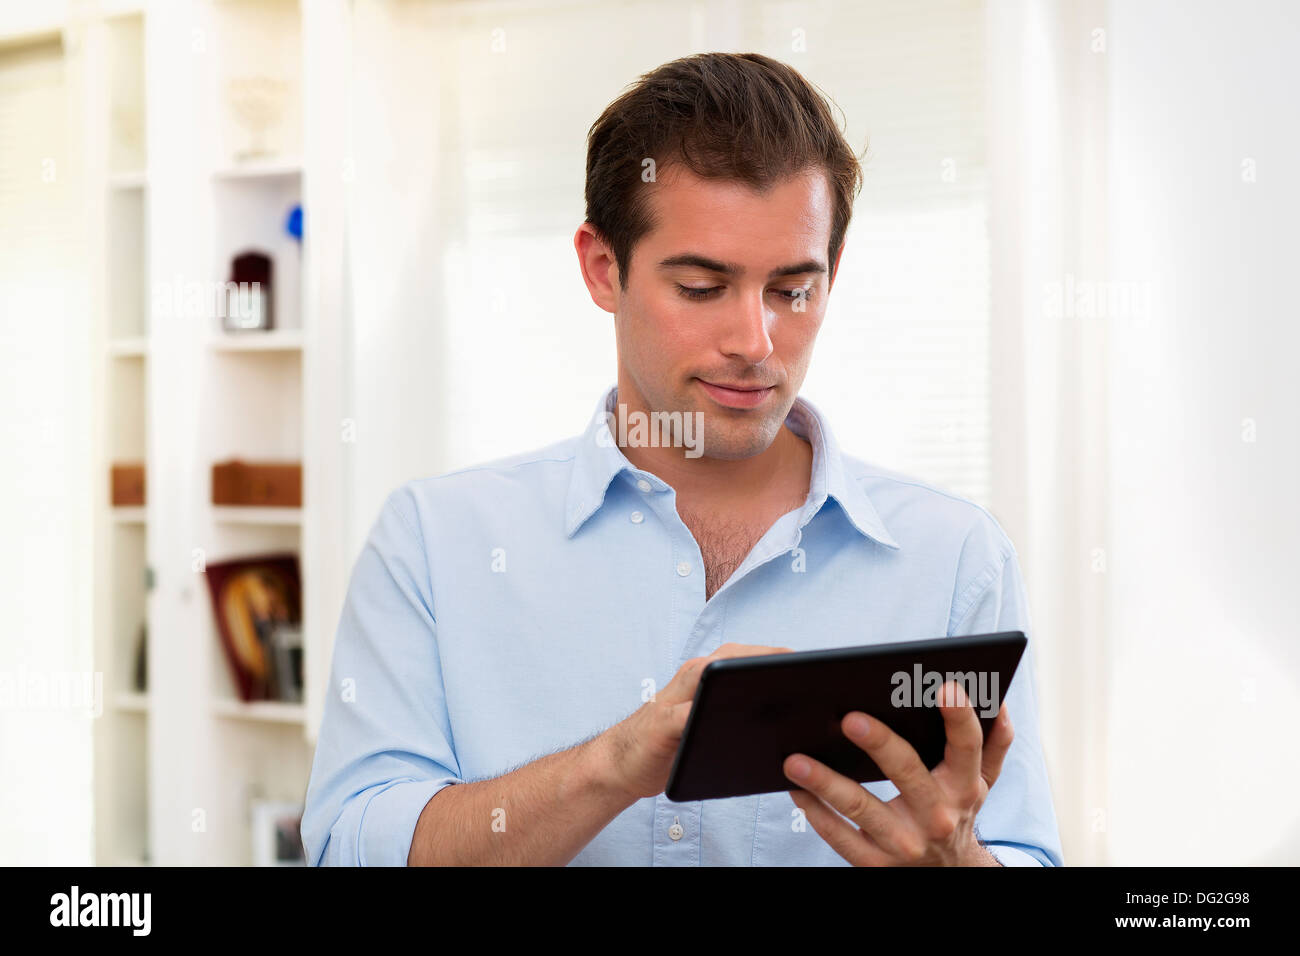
x: 683, y: 685
x: 840, y: 835
x: 896, y: 760
x: 996, y: 745
x: 961, y: 754
x: 747, y: 650
x: 848, y: 798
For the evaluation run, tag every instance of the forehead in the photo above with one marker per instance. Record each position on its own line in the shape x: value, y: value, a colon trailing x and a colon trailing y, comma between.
x: 731, y: 220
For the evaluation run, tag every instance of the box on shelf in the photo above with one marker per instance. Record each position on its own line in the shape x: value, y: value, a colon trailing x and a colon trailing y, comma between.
x: 272, y: 485
x: 126, y: 485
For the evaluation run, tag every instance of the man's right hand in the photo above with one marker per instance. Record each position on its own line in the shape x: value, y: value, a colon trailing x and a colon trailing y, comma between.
x: 639, y: 751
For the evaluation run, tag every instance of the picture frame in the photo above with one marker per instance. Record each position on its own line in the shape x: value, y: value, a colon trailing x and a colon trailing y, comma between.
x: 277, y: 833
x: 257, y: 603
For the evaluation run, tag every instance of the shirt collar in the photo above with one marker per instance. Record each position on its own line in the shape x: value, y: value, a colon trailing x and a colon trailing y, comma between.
x: 599, y: 460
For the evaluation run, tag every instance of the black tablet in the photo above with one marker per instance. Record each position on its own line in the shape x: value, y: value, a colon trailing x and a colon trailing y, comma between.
x: 750, y: 713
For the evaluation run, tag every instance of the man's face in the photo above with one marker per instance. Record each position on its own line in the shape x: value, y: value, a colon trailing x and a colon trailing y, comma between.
x: 723, y: 302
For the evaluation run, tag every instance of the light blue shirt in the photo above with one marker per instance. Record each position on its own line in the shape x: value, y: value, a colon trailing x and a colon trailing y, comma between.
x: 510, y: 610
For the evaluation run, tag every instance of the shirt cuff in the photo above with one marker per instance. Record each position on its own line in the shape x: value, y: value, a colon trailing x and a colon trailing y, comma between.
x: 388, y: 822
x: 1010, y: 856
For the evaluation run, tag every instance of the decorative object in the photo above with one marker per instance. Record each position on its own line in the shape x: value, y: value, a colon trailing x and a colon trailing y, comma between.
x: 271, y: 485
x: 254, y: 601
x: 256, y: 104
x: 248, y: 293
x: 141, y: 675
x: 293, y: 223
x: 277, y: 833
x: 126, y: 484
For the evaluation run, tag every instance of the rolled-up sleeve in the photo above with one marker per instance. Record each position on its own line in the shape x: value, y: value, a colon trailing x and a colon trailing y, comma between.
x: 1018, y: 820
x: 385, y: 745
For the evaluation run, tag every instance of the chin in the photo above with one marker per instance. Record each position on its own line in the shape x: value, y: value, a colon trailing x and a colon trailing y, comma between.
x: 735, y: 443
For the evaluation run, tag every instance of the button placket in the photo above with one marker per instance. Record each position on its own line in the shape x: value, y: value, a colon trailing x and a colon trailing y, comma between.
x: 677, y: 832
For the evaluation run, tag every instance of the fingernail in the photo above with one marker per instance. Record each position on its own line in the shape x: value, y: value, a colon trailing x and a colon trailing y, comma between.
x: 857, y: 724
x: 799, y: 767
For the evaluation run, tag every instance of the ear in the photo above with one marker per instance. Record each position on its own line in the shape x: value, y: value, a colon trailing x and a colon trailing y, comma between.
x: 598, y: 266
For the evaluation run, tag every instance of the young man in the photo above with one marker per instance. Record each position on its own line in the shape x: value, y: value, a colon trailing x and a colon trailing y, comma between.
x: 575, y: 593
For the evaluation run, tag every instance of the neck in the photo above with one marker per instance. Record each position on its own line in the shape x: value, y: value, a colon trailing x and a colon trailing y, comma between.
x: 784, y: 465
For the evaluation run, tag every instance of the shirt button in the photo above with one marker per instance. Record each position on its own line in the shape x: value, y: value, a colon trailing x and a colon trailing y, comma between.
x: 643, y: 485
x: 676, y: 832
x: 637, y: 517
x: 683, y: 568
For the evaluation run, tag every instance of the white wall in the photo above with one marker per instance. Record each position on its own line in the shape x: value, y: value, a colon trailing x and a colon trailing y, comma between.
x: 1204, y: 522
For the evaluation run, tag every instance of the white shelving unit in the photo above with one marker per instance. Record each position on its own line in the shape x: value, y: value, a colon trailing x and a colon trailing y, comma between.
x: 276, y: 340
x: 184, y: 187
x: 118, y: 150
x: 230, y: 514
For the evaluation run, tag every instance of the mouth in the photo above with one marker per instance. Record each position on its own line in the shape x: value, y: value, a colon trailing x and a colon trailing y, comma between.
x: 737, y: 396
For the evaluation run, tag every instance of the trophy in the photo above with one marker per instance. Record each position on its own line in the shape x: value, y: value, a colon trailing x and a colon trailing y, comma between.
x: 257, y: 104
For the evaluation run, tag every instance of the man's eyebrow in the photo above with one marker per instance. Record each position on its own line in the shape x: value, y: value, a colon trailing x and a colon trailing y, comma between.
x: 732, y: 269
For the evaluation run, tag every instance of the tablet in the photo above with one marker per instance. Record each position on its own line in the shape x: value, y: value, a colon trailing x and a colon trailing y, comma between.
x: 750, y: 713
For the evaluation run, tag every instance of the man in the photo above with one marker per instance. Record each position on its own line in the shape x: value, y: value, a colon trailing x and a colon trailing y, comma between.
x: 574, y: 594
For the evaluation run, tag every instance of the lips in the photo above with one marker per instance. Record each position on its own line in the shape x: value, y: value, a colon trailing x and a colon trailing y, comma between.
x: 737, y: 396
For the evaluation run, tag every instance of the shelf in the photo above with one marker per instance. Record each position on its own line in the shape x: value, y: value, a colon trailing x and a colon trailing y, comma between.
x: 128, y: 514
x: 253, y: 514
x: 122, y: 8
x: 245, y: 399
x: 133, y: 347
x: 131, y: 702
x: 270, y: 711
x: 259, y: 169
x: 136, y: 179
x: 276, y: 340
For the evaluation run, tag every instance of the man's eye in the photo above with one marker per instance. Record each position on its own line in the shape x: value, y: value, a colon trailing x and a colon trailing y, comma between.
x: 698, y: 293
x: 691, y: 292
x: 794, y: 295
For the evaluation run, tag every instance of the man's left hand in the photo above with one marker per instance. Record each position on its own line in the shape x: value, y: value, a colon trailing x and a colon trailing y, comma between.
x: 932, y: 820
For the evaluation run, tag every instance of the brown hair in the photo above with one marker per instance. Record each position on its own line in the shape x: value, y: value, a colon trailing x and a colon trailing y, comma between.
x: 734, y: 116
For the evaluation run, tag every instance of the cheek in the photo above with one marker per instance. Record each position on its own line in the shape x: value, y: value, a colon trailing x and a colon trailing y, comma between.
x: 647, y: 340
x: 796, y: 333
x: 667, y: 328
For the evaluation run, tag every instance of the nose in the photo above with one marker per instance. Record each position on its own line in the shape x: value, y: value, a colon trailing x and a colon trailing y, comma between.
x: 746, y: 335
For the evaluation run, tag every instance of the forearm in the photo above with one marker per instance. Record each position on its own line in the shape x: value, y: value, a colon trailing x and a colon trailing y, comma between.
x: 542, y: 814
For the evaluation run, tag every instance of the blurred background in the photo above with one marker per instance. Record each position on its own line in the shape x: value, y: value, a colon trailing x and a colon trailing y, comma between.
x: 1066, y: 294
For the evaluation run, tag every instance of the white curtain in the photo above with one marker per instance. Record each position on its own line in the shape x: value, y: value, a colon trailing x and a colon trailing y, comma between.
x: 1204, y: 416
x: 1047, y: 132
x: 45, y: 482
x: 1142, y: 336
